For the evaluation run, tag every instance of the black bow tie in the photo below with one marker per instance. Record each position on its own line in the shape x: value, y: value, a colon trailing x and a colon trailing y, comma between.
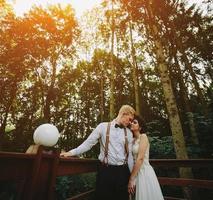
x: 119, y: 126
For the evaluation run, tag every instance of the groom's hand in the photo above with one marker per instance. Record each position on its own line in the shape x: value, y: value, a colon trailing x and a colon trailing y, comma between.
x: 65, y: 154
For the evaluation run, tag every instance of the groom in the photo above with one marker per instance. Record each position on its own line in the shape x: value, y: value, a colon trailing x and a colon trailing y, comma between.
x: 115, y: 156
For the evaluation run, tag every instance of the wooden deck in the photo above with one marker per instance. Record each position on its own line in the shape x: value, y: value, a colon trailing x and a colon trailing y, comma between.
x: 35, y: 174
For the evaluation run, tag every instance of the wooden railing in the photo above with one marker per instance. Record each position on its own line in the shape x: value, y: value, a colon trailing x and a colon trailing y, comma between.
x: 35, y: 174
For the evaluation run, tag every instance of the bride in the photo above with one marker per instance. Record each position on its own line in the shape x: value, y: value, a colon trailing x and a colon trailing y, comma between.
x: 143, y: 181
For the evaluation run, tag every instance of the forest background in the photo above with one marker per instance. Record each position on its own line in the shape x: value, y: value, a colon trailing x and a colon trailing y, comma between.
x: 77, y: 72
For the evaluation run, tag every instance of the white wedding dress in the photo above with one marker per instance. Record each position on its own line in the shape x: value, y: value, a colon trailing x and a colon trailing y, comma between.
x: 147, y: 185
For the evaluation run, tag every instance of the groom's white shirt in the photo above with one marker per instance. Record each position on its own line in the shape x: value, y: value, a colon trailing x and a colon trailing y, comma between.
x: 116, y: 147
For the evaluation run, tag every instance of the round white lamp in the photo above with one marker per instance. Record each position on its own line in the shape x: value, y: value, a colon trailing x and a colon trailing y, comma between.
x: 46, y: 135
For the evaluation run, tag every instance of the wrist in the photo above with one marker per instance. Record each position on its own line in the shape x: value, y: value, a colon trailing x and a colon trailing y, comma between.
x: 73, y: 152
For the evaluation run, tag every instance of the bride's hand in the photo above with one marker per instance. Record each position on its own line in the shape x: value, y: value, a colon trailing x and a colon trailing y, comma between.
x: 131, y: 186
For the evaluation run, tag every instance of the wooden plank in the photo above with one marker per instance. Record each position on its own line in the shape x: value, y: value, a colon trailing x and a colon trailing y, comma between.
x: 15, y: 166
x: 186, y: 182
x: 70, y: 166
x: 4, y: 154
x: 204, y: 163
x: 83, y: 196
x: 173, y: 198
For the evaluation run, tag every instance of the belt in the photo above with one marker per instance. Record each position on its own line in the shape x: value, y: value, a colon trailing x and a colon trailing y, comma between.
x: 112, y: 166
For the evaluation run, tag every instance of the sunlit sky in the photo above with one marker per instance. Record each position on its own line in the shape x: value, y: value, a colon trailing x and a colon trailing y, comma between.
x: 80, y: 6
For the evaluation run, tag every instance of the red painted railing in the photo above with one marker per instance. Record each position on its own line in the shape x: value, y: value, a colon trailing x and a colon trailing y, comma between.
x: 35, y: 174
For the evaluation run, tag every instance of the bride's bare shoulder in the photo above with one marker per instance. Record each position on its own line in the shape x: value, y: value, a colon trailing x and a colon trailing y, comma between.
x: 143, y: 136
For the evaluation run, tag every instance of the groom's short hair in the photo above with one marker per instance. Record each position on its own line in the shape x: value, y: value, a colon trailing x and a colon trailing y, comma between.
x: 127, y: 109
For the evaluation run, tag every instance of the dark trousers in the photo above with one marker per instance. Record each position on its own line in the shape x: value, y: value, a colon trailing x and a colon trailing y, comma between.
x: 111, y: 182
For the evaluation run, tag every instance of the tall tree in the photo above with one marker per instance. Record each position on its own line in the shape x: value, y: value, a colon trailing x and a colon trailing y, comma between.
x: 175, y: 122
x: 112, y: 76
x: 152, y: 26
x: 134, y: 70
x: 14, y: 63
x: 57, y: 27
x: 186, y: 103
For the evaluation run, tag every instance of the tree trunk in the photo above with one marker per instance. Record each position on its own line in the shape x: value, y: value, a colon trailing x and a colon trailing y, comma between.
x: 134, y: 72
x: 175, y: 123
x: 7, y: 110
x: 50, y: 93
x: 112, y: 78
x: 88, y: 104
x: 170, y: 102
x: 209, y: 71
x: 188, y: 111
x: 188, y: 66
x: 183, y: 89
x: 194, y: 78
x: 102, y: 96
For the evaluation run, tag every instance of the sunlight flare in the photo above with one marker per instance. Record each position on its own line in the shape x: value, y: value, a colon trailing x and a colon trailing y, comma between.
x: 80, y: 6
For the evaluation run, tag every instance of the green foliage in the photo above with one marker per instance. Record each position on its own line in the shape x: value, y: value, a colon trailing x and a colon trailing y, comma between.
x: 158, y: 128
x: 62, y: 187
x: 69, y: 186
x: 161, y: 147
x: 204, y: 127
x: 161, y: 144
x: 7, y: 191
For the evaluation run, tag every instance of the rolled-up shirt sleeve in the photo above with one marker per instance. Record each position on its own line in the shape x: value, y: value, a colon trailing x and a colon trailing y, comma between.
x: 92, y: 139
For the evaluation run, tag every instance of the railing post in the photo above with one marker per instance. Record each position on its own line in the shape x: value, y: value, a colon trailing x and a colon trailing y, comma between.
x: 44, y: 171
x: 53, y: 175
x: 35, y: 175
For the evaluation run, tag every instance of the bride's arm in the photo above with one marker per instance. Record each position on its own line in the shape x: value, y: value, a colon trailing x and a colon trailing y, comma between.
x: 139, y: 161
